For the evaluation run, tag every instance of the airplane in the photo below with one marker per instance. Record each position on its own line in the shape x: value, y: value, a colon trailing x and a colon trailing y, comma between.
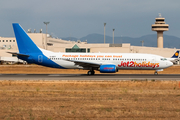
x: 174, y: 58
x: 103, y: 62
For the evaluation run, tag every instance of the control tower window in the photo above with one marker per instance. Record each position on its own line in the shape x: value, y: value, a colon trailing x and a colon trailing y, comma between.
x: 160, y: 20
x: 159, y: 26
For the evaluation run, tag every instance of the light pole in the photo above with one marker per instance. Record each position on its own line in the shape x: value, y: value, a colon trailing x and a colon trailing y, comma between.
x: 46, y: 23
x: 142, y: 43
x: 113, y: 36
x: 104, y: 32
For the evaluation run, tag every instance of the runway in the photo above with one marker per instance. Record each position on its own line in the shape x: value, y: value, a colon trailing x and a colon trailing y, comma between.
x: 87, y: 77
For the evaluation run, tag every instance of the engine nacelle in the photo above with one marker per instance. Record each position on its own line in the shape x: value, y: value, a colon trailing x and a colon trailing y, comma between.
x: 108, y: 69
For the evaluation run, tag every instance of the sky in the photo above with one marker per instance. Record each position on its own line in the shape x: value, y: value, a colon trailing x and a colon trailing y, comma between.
x: 78, y: 18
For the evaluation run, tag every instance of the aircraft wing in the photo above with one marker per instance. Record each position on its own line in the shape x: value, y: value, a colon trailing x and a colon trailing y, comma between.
x: 84, y: 64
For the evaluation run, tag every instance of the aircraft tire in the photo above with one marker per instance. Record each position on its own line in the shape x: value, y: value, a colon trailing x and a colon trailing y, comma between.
x: 90, y: 72
x: 156, y: 73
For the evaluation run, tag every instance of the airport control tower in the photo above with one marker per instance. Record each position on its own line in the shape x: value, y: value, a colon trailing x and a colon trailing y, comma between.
x: 160, y: 27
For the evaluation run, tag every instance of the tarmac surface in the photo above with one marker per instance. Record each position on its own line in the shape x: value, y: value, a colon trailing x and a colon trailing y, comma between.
x: 89, y: 77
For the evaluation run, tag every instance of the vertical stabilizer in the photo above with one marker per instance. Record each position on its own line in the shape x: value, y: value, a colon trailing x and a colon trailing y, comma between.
x: 176, y: 54
x: 24, y: 42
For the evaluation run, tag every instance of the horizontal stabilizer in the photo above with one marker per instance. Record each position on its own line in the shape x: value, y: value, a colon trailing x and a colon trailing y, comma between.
x: 18, y: 54
x: 175, y: 60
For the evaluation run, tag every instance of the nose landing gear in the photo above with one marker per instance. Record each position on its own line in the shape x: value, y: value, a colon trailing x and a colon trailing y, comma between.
x: 155, y: 73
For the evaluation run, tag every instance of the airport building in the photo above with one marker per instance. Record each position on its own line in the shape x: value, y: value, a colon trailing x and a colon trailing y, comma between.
x: 45, y: 41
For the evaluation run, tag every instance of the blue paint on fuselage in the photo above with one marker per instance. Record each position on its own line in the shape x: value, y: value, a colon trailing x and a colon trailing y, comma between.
x: 40, y: 59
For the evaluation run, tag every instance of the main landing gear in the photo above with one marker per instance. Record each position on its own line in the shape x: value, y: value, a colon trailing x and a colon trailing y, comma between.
x: 90, y: 72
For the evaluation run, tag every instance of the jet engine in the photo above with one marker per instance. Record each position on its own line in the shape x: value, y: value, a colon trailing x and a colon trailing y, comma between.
x: 108, y: 69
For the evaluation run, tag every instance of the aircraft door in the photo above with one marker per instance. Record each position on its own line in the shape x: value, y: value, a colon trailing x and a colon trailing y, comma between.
x: 153, y: 60
x: 40, y: 58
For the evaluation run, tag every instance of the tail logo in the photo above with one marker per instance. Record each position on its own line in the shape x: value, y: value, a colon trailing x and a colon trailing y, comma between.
x: 176, y: 54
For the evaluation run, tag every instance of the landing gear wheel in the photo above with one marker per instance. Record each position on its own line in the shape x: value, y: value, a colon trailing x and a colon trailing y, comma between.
x: 90, y: 72
x: 156, y: 73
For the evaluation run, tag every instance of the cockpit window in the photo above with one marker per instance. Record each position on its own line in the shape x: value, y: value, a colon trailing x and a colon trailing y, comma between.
x: 163, y: 59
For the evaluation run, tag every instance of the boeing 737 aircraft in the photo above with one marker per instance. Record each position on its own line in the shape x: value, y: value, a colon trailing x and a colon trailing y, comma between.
x: 103, y: 62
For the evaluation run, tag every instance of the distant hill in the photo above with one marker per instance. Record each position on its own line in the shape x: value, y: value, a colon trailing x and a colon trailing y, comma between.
x: 70, y: 38
x: 149, y: 40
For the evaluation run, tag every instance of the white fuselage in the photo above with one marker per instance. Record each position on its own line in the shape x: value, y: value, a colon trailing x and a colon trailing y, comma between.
x: 121, y: 60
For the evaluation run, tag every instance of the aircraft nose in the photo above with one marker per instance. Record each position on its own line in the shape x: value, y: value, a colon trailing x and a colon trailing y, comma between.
x: 169, y: 64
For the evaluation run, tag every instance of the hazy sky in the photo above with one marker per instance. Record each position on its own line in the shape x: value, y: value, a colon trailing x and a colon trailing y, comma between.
x: 78, y: 18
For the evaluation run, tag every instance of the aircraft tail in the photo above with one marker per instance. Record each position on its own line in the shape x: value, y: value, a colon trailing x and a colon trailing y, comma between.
x: 176, y: 54
x: 24, y: 42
